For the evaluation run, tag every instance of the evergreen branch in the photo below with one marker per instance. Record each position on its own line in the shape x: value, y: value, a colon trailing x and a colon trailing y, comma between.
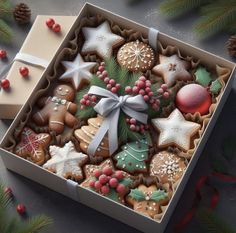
x: 175, y: 8
x: 95, y: 81
x: 6, y: 33
x: 5, y: 9
x: 215, y: 18
x: 212, y: 223
x: 112, y: 68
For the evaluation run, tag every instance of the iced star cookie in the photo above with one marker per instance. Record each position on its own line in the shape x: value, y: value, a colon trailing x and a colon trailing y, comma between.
x: 105, y: 180
x: 147, y: 200
x: 33, y: 146
x: 77, y: 71
x: 86, y: 134
x: 175, y: 130
x: 100, y: 40
x: 136, y: 56
x: 172, y: 69
x: 133, y: 157
x: 66, y: 161
x: 167, y: 166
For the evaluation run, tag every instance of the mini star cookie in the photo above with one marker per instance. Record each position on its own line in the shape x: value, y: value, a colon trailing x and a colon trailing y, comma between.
x: 66, y: 161
x: 175, y: 130
x: 77, y: 70
x: 32, y: 146
x: 167, y: 166
x: 100, y: 40
x: 172, y: 69
x: 107, y: 181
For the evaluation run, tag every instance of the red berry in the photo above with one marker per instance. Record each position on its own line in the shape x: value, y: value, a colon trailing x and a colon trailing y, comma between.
x: 142, y: 78
x: 135, y: 90
x: 101, y: 68
x: 113, y: 182
x: 105, y: 189
x: 141, y: 84
x: 158, y: 102
x: 92, y: 183
x: 128, y: 89
x: 155, y: 107
x: 112, y: 82
x: 98, y: 73
x: 142, y: 92
x: 86, y: 96
x: 133, y: 121
x: 83, y: 101
x: 132, y: 127
x: 114, y: 89
x: 146, y: 98
x: 100, y: 76
x: 137, y: 128
x: 102, y: 63
x: 109, y: 86
x: 107, y: 171
x: 97, y: 185
x: 106, y: 80
x: 147, y: 89
x: 94, y: 98
x: 150, y: 94
x: 104, y: 73
x: 127, y: 120
x: 87, y: 102
x: 3, y: 53
x: 148, y: 84
x: 103, y: 179
x: 118, y: 86
x: 119, y: 175
x: 97, y: 173
x: 160, y: 91
x: 5, y: 83
x: 151, y: 101
x: 24, y: 71
x: 164, y: 87
x: 50, y: 22
x: 20, y: 208
x: 56, y: 27
x: 166, y: 95
x: 120, y: 189
x: 8, y: 191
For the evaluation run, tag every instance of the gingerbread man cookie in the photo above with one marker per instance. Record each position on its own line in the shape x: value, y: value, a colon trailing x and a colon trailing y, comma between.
x: 57, y: 110
x: 32, y: 146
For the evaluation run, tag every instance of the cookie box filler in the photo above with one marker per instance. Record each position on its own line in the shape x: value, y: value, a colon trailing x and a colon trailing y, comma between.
x: 136, y: 84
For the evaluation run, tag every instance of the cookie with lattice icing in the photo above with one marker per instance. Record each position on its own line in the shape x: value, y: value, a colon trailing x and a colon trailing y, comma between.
x: 167, y: 166
x: 172, y: 69
x: 66, y: 161
x: 136, y: 56
x: 32, y: 146
x: 175, y: 130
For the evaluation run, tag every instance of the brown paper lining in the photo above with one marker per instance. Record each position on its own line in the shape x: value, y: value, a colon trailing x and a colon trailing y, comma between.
x: 75, y: 45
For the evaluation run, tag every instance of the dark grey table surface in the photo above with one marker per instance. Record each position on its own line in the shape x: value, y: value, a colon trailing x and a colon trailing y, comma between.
x: 72, y: 217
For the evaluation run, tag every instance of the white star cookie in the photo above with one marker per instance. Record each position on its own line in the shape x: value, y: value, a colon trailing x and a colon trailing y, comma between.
x: 77, y: 70
x: 100, y: 40
x: 66, y: 161
x: 175, y: 130
x: 172, y: 69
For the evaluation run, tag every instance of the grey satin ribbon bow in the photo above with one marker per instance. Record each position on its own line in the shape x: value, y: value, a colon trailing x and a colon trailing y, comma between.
x: 109, y: 108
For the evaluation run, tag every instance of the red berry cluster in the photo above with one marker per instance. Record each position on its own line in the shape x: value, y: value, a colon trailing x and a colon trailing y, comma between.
x: 111, y: 83
x: 136, y: 126
x: 87, y: 100
x: 107, y: 179
x: 50, y: 22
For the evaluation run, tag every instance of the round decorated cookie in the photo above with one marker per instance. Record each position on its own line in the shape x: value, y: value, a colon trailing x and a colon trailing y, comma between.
x: 167, y: 166
x: 147, y: 200
x: 136, y: 56
x: 107, y: 181
x: 193, y: 98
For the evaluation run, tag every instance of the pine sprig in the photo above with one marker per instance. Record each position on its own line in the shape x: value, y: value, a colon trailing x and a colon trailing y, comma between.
x: 6, y: 32
x: 5, y: 9
x: 212, y: 223
x: 216, y: 17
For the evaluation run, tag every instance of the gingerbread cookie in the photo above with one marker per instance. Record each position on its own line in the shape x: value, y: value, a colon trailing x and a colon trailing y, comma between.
x: 86, y: 134
x: 133, y: 157
x: 136, y: 56
x: 66, y: 161
x: 100, y: 40
x: 167, y: 166
x: 32, y: 146
x: 175, y: 130
x: 106, y: 181
x: 77, y: 71
x: 172, y: 69
x: 57, y: 110
x: 147, y: 200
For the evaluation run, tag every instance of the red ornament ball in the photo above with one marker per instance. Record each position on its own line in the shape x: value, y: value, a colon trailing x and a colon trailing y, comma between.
x: 193, y: 98
x: 56, y: 28
x: 24, y: 71
x: 8, y: 192
x: 3, y: 53
x: 50, y: 22
x: 21, y: 209
x: 5, y: 84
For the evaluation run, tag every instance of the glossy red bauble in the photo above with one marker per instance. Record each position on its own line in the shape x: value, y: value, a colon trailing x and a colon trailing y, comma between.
x: 50, y: 22
x: 24, y: 71
x: 3, y: 53
x: 21, y: 209
x: 56, y: 28
x: 193, y: 98
x: 5, y: 84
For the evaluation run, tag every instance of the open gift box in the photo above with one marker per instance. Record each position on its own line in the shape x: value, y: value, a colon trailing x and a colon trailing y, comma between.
x: 220, y: 85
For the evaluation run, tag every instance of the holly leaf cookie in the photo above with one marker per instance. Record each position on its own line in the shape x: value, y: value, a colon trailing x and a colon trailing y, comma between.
x: 32, y: 146
x: 66, y: 161
x: 215, y: 87
x: 203, y: 77
x: 175, y: 130
x: 172, y: 69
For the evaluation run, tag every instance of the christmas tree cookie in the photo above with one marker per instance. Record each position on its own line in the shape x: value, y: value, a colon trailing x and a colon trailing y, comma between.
x: 133, y: 157
x: 147, y: 200
x: 105, y: 180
